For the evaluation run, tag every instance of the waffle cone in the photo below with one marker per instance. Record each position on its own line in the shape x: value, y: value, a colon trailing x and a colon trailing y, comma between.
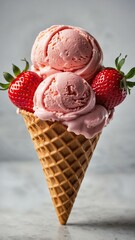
x: 64, y: 157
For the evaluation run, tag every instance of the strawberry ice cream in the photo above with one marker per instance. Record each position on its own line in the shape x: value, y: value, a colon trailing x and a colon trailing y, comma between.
x: 66, y: 48
x: 68, y: 98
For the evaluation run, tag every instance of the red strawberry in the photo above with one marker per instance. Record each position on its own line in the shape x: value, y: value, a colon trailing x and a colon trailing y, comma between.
x: 21, y: 89
x: 111, y: 85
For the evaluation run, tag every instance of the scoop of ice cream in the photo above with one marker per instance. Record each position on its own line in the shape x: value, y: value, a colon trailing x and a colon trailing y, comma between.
x: 66, y: 48
x: 68, y: 92
x: 71, y: 48
x: 68, y: 98
x: 63, y: 96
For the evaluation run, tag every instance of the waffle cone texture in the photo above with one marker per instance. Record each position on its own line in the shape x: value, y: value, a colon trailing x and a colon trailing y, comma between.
x: 64, y: 157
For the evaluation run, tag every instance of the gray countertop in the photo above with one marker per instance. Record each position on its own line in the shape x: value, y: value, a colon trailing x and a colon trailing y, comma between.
x: 105, y: 206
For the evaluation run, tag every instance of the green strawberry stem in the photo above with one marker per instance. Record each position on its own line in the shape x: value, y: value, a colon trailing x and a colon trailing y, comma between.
x: 4, y: 86
x: 26, y: 66
x: 124, y: 84
x: 16, y: 70
x: 9, y: 78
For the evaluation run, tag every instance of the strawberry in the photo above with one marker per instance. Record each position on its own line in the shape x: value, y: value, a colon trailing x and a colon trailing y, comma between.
x: 21, y: 88
x: 111, y: 86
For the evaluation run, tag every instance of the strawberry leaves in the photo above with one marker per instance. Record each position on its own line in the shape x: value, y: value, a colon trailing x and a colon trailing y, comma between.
x: 26, y: 66
x: 119, y: 62
x: 131, y: 73
x: 16, y: 70
x: 4, y: 86
x: 9, y: 78
x: 124, y: 84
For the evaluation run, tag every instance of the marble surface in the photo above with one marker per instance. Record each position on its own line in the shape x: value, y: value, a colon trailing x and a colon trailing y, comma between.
x: 105, y: 207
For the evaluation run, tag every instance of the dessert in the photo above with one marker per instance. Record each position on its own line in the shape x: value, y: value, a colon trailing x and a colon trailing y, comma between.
x: 66, y: 100
x: 66, y: 48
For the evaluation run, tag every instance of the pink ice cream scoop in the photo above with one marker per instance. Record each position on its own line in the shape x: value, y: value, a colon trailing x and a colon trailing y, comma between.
x: 66, y: 48
x: 68, y: 98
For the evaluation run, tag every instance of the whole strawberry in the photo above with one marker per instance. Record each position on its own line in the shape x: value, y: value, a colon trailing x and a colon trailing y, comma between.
x: 21, y: 88
x: 111, y: 85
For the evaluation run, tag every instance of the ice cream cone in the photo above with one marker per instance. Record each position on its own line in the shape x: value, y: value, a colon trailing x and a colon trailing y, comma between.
x: 64, y: 157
